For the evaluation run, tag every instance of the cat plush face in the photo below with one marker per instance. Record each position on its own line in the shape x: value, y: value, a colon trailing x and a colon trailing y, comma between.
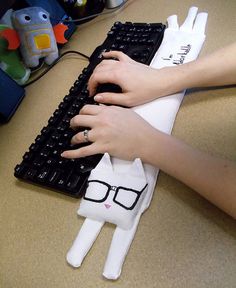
x: 115, y: 193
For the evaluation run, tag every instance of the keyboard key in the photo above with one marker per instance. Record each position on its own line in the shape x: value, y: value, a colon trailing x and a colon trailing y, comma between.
x: 30, y: 174
x: 42, y: 176
x: 54, y: 175
x: 73, y: 181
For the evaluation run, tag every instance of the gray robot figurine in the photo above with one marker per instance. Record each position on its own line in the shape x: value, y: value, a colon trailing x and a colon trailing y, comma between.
x: 37, y: 36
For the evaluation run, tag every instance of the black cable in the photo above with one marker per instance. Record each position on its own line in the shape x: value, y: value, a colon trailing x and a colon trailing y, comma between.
x: 54, y: 63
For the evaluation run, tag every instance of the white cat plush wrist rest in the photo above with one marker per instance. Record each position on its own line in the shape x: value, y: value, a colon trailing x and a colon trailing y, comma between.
x: 120, y: 191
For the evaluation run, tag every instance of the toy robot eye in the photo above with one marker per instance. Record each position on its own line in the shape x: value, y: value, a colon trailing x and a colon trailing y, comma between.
x: 43, y: 16
x: 25, y: 18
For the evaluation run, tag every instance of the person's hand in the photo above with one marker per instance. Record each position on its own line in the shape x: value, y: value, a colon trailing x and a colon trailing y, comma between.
x: 119, y: 131
x: 139, y: 83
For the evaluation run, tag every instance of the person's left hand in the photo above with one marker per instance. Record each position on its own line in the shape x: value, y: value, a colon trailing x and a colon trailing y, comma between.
x: 118, y: 131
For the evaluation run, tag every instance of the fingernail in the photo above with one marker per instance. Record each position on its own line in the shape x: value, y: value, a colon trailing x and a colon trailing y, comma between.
x: 98, y: 98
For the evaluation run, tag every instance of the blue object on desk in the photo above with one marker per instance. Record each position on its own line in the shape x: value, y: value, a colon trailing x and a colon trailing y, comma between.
x: 11, y: 95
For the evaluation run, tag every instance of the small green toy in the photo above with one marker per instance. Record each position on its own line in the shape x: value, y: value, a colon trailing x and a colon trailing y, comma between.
x: 10, y: 61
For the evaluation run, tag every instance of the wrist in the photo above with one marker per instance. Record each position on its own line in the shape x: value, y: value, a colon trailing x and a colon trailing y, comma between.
x: 163, y: 151
x: 153, y: 149
x: 170, y: 80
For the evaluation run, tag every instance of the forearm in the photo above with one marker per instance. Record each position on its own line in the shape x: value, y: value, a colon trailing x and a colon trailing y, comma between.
x: 216, y: 69
x: 213, y: 178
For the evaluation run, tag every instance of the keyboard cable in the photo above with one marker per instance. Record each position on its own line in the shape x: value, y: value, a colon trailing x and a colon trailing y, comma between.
x: 53, y: 64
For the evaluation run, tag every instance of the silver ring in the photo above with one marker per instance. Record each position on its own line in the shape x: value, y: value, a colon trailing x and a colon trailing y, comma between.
x: 86, y: 131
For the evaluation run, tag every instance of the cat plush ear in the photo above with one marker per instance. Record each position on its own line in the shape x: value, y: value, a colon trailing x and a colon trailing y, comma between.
x: 104, y: 164
x: 136, y: 169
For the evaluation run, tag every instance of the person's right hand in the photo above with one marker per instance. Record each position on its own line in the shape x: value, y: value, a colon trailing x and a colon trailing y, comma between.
x: 139, y: 83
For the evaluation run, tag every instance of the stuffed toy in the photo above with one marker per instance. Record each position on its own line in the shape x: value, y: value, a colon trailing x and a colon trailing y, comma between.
x: 10, y: 61
x: 38, y: 38
x: 120, y: 191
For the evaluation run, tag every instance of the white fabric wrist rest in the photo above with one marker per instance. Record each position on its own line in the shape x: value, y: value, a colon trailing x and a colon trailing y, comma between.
x: 105, y: 199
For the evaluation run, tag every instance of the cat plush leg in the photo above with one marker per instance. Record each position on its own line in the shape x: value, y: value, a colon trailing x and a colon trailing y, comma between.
x: 83, y: 242
x: 122, y: 239
x: 119, y: 248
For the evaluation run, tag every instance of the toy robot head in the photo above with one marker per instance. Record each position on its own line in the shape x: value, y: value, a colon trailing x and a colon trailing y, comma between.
x: 35, y: 16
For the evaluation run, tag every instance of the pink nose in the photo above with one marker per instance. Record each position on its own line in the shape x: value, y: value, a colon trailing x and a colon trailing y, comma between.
x: 107, y: 206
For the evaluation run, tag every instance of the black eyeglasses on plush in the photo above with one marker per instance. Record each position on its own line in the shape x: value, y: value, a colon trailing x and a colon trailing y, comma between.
x: 100, y: 191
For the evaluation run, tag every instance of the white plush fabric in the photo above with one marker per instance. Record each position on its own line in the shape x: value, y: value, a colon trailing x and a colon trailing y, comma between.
x: 180, y: 45
x: 129, y: 177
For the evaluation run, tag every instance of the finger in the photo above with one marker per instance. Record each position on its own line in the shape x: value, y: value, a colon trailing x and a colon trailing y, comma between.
x: 118, y: 55
x: 112, y: 98
x: 173, y: 22
x: 82, y: 121
x: 88, y: 150
x: 100, y: 78
x: 81, y: 138
x: 188, y: 23
x: 200, y: 23
x: 91, y: 110
x: 106, y: 63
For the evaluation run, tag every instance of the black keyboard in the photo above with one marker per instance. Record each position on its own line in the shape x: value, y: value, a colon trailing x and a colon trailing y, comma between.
x: 42, y: 163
